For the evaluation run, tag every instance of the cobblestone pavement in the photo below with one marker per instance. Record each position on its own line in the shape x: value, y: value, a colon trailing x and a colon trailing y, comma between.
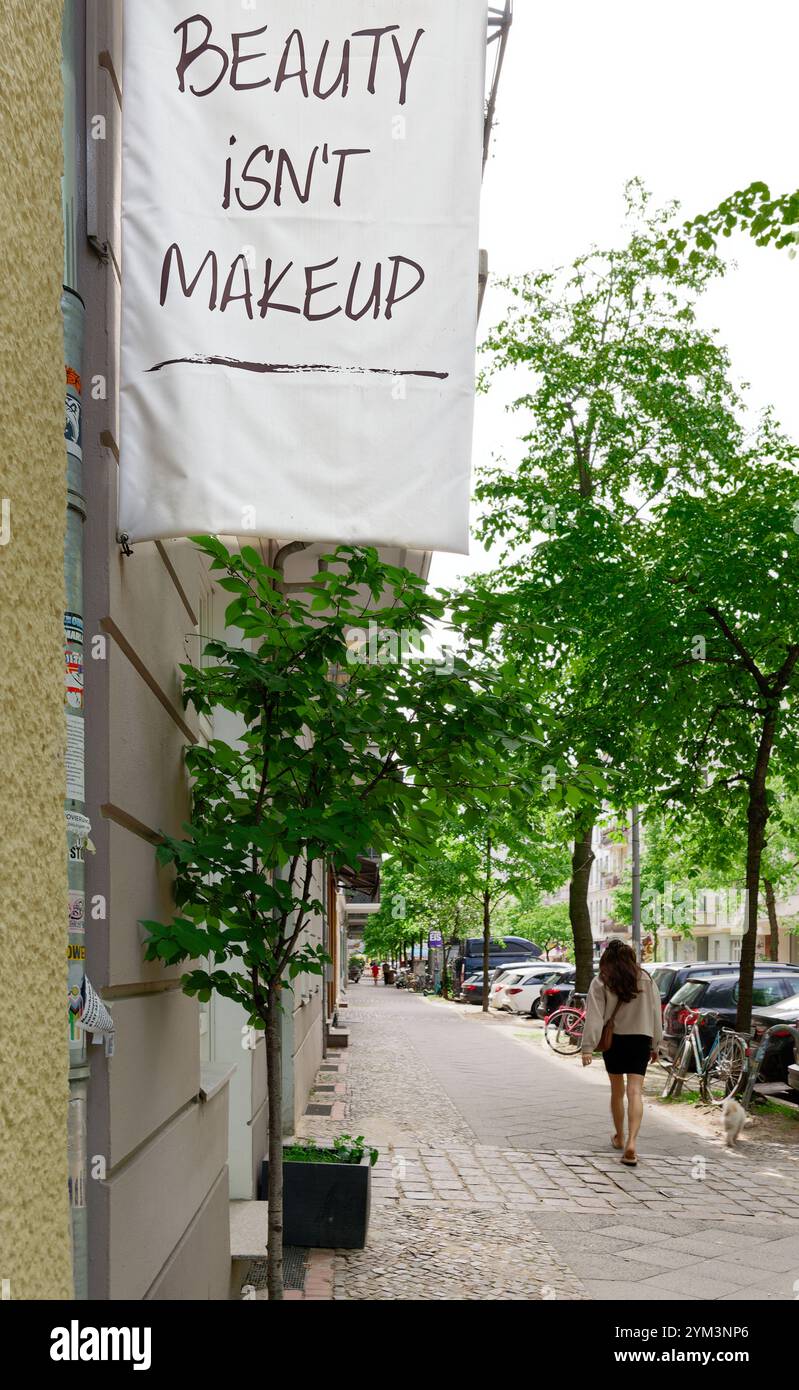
x: 496, y: 1179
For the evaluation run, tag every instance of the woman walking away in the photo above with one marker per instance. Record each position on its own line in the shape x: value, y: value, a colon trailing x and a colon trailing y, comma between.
x: 375, y: 970
x: 622, y: 1021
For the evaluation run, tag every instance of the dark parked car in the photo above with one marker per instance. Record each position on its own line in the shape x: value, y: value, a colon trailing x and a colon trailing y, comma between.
x: 672, y: 976
x: 719, y: 994
x: 779, y: 1063
x: 556, y: 994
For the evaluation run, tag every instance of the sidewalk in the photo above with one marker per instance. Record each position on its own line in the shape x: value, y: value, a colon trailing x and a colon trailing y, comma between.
x: 496, y: 1179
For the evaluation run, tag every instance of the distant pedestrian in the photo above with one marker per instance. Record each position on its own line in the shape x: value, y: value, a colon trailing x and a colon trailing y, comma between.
x: 375, y: 971
x: 623, y: 1021
x: 386, y: 972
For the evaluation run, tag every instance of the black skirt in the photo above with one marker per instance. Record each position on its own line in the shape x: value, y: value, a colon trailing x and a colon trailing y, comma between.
x: 628, y: 1054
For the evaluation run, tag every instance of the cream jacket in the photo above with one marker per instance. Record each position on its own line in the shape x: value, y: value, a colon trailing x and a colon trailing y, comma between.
x: 641, y: 1015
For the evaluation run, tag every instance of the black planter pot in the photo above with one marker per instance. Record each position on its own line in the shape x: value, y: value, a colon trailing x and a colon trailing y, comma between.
x: 325, y: 1205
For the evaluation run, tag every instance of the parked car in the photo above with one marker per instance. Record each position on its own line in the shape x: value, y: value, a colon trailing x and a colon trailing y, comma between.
x: 476, y: 971
x: 472, y: 989
x: 719, y: 995
x: 513, y: 949
x: 552, y: 996
x: 672, y: 975
x: 522, y: 993
x: 472, y: 986
x: 542, y: 973
x: 779, y: 1063
x: 499, y: 982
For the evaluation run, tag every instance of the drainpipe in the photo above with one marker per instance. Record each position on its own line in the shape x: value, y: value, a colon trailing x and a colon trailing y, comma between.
x: 287, y: 1020
x: 77, y: 825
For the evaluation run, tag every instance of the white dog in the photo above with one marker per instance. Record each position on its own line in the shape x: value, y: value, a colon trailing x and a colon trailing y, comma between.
x: 733, y: 1119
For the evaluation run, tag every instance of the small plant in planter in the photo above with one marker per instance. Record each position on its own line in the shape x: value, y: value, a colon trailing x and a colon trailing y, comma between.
x: 345, y: 1149
x: 326, y: 1192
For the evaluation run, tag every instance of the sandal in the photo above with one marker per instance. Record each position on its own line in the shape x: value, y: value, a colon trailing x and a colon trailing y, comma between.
x: 615, y: 1142
x: 631, y: 1162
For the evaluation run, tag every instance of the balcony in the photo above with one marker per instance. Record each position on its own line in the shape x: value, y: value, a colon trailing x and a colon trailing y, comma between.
x: 361, y: 885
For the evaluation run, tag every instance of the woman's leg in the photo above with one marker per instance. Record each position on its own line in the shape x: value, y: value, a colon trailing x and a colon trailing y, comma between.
x: 635, y: 1109
x: 617, y: 1105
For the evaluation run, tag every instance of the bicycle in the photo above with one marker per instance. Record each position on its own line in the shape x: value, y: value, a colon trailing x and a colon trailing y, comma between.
x: 563, y: 1029
x: 720, y: 1071
x: 754, y: 1064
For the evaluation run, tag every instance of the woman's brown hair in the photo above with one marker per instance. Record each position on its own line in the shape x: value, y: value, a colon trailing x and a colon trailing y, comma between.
x: 619, y: 970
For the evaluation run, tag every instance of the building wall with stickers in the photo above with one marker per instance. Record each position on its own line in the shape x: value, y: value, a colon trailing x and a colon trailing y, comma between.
x: 157, y: 1124
x: 35, y: 1259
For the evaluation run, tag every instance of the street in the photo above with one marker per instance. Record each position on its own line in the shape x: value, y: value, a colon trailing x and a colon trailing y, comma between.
x: 496, y: 1179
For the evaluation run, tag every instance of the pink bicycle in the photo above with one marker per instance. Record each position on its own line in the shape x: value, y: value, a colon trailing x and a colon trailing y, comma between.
x: 563, y: 1029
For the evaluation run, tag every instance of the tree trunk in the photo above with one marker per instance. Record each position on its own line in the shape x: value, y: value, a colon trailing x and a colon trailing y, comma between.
x: 773, y: 924
x: 486, y: 924
x: 274, y: 1090
x: 756, y: 816
x: 579, y: 916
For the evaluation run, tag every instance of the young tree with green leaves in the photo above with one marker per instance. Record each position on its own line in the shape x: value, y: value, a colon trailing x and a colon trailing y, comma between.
x: 403, y: 918
x: 547, y: 924
x: 769, y: 219
x: 494, y: 851
x: 624, y: 399
x: 418, y: 897
x: 712, y: 618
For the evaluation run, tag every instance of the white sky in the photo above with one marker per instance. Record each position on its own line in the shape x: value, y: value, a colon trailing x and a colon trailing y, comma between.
x: 698, y: 98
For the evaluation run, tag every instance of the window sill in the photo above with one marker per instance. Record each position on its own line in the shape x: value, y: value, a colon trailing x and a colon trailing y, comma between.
x: 213, y: 1077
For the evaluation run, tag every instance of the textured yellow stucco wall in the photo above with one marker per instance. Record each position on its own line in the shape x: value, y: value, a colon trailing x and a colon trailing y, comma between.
x: 34, y: 1213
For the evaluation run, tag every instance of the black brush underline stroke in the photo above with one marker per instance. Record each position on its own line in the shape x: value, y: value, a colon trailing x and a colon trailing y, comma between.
x: 286, y: 368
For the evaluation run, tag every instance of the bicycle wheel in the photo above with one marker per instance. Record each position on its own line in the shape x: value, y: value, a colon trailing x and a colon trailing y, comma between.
x: 677, y: 1072
x: 725, y: 1074
x: 564, y: 1031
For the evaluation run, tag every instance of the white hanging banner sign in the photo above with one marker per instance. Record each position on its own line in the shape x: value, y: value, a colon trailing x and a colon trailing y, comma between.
x: 301, y: 184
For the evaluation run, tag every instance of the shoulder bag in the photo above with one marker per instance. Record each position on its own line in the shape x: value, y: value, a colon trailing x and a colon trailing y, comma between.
x: 606, y: 1036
